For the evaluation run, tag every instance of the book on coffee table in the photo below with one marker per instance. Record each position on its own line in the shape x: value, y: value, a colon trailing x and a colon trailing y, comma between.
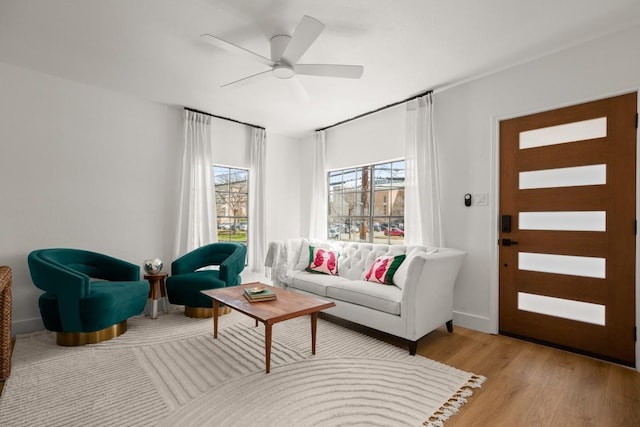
x: 260, y: 293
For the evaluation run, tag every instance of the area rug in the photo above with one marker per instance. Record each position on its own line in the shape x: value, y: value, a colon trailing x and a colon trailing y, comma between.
x: 171, y: 372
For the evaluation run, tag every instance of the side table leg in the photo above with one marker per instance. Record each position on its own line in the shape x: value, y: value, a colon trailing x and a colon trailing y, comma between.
x: 163, y: 294
x: 154, y: 296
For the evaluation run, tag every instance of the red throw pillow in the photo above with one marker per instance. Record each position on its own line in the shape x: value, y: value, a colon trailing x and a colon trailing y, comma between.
x: 323, y: 261
x: 383, y: 269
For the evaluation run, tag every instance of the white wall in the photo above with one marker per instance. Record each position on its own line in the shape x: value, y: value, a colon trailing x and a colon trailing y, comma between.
x: 84, y: 168
x: 88, y: 168
x: 466, y: 119
x: 284, y: 169
x: 372, y: 139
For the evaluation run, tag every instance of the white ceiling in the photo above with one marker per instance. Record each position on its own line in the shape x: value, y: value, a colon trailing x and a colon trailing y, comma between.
x: 152, y: 48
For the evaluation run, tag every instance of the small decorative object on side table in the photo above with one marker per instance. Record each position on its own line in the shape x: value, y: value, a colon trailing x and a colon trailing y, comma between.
x: 153, y: 265
x: 153, y: 268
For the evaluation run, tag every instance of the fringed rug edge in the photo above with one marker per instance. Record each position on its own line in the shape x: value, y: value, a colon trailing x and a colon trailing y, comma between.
x: 453, y: 405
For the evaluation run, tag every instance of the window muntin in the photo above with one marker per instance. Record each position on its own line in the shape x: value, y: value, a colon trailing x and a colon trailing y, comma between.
x: 366, y: 203
x: 232, y: 203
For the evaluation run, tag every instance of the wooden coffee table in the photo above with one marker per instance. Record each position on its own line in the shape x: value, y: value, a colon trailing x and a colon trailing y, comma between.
x: 287, y: 306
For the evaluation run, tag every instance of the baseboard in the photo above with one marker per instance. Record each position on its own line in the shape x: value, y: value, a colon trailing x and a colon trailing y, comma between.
x: 472, y: 321
x: 26, y: 326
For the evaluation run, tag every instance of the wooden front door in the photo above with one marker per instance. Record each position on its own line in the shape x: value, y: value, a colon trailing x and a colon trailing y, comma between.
x: 567, y: 227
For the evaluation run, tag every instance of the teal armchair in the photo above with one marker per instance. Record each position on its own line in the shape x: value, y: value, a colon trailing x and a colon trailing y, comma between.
x: 88, y: 296
x: 188, y: 277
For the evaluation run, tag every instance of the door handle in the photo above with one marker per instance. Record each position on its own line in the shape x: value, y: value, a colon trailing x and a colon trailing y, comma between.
x: 508, y: 242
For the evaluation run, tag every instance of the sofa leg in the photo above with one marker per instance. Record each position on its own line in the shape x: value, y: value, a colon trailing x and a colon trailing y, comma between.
x: 450, y: 325
x: 413, y: 346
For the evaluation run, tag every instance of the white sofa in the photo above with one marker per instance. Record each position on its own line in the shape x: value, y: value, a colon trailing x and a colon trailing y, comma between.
x: 419, y: 300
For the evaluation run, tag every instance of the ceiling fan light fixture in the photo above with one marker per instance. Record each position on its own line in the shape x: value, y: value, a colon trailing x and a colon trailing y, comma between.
x: 283, y: 71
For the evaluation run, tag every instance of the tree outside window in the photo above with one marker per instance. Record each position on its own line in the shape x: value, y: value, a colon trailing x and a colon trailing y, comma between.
x: 232, y: 198
x: 366, y: 204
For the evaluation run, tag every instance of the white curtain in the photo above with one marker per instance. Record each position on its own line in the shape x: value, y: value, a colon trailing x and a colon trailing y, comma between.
x: 197, y: 211
x: 422, y: 218
x: 318, y: 214
x: 257, y: 188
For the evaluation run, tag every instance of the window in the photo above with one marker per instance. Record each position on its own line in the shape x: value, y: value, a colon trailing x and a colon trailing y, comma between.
x: 232, y: 198
x: 366, y: 203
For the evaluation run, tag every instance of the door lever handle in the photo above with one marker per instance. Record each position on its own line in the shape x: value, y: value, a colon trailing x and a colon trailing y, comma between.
x: 508, y: 242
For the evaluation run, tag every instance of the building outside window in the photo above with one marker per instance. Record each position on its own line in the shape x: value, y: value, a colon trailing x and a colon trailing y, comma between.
x: 366, y: 203
x: 232, y: 198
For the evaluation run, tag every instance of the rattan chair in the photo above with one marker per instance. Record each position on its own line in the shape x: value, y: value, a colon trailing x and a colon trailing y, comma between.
x: 5, y: 322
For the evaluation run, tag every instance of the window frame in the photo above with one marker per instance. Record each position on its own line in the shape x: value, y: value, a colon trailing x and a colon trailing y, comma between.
x: 360, y: 203
x: 234, y: 225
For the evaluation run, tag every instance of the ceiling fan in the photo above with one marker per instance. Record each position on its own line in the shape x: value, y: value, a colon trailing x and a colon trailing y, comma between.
x: 285, y: 53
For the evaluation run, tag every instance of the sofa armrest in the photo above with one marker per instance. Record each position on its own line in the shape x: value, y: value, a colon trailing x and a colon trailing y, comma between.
x: 427, y: 299
x: 231, y: 267
x: 67, y: 285
x: 282, y: 257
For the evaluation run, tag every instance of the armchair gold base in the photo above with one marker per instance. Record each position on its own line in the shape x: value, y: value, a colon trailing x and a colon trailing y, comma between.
x: 72, y: 339
x: 201, y: 312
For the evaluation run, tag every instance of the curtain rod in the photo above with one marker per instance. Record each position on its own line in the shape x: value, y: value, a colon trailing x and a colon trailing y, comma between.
x: 223, y: 118
x: 376, y: 110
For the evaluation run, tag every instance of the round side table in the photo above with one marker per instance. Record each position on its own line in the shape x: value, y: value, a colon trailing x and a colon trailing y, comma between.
x: 156, y: 286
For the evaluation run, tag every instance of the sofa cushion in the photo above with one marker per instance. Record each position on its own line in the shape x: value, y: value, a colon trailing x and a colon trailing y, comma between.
x: 316, y: 283
x: 184, y: 289
x: 324, y: 261
x: 383, y: 269
x: 367, y: 294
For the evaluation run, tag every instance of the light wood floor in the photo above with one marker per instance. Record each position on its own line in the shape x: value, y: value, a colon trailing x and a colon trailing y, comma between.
x: 529, y: 384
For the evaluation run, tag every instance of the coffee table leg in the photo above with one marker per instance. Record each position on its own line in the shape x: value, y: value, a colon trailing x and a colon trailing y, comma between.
x: 314, y: 324
x: 216, y: 306
x: 267, y: 346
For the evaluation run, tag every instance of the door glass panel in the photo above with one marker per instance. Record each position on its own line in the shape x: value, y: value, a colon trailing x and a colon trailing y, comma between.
x: 564, y: 177
x: 564, y: 308
x: 563, y: 221
x: 570, y: 132
x: 562, y: 264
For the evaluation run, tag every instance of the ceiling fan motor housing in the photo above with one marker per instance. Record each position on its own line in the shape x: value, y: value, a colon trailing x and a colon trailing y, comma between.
x: 283, y: 71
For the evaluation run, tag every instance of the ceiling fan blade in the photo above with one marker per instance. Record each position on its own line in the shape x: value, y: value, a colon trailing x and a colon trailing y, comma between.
x: 299, y: 89
x: 230, y: 47
x: 330, y: 70
x: 247, y: 80
x: 304, y: 35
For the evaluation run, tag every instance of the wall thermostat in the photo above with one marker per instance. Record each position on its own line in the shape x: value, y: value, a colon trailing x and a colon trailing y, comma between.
x: 467, y: 199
